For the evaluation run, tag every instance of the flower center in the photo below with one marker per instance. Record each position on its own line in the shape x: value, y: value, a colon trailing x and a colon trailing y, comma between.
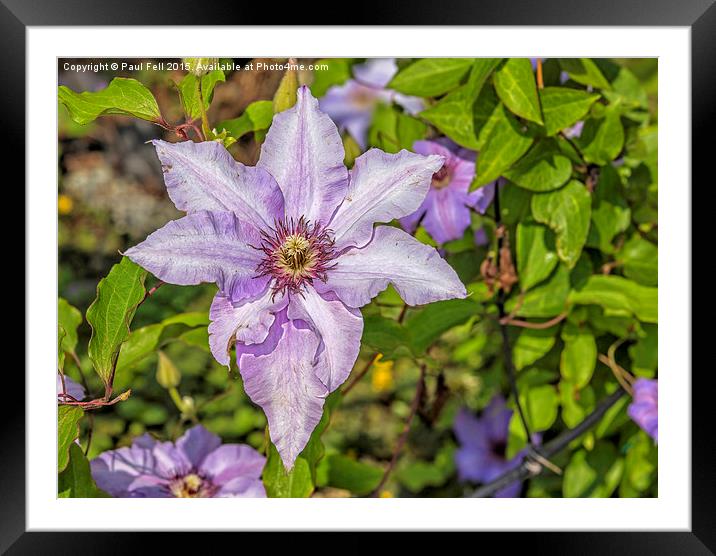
x: 441, y: 178
x: 191, y: 486
x: 295, y: 253
x: 499, y: 448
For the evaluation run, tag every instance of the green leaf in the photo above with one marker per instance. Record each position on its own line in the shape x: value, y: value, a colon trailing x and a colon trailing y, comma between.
x: 645, y: 353
x: 584, y: 71
x: 547, y: 299
x: 481, y: 70
x: 543, y: 168
x: 453, y: 116
x: 504, y: 145
x: 126, y: 97
x: 531, y: 345
x: 68, y: 319
x: 640, y: 466
x: 68, y: 430
x: 567, y: 212
x: 563, y: 107
x: 541, y: 406
x: 640, y: 259
x: 602, y: 138
x: 618, y: 296
x: 257, y: 116
x: 610, y: 212
x: 430, y: 77
x: 427, y: 325
x: 76, y: 480
x: 346, y: 473
x: 515, y: 85
x: 579, y: 356
x: 536, y: 256
x: 338, y: 72
x: 118, y: 295
x: 391, y: 130
x: 189, y: 91
x: 385, y: 335
x: 577, y: 403
x: 594, y: 474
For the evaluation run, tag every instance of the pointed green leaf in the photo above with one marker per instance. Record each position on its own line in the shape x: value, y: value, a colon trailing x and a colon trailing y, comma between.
x: 563, y: 107
x: 257, y: 116
x: 610, y: 212
x: 76, y: 480
x: 118, y: 295
x: 531, y: 345
x: 429, y: 77
x: 546, y: 300
x: 346, y: 473
x: 579, y: 356
x: 640, y: 260
x: 543, y: 168
x: 189, y: 91
x: 536, y: 256
x: 453, y: 116
x: 68, y: 430
x: 506, y: 142
x: 567, y: 212
x: 427, y: 325
x: 516, y: 86
x: 619, y: 296
x: 126, y: 97
x: 602, y: 139
x: 585, y: 71
x: 338, y: 72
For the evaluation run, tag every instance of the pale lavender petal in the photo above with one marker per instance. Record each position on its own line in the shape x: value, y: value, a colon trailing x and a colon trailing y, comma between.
x: 644, y: 409
x: 170, y: 461
x: 116, y: 471
x: 412, y: 105
x: 574, y: 131
x: 447, y: 216
x: 376, y: 72
x: 284, y: 383
x: 204, y: 247
x: 204, y: 176
x: 303, y: 151
x: 340, y: 329
x: 382, y: 187
x: 242, y: 487
x: 358, y: 127
x: 248, y: 322
x: 393, y: 256
x: 196, y: 444
x: 347, y: 101
x: 410, y: 222
x: 231, y: 461
x: 72, y: 388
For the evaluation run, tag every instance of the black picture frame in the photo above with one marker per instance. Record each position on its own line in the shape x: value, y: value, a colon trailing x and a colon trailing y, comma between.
x: 699, y: 15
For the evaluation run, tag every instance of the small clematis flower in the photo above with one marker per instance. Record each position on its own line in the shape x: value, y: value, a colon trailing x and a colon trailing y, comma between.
x: 196, y: 466
x: 445, y: 212
x: 483, y: 443
x: 351, y: 105
x: 644, y: 409
x: 72, y: 389
x: 292, y: 246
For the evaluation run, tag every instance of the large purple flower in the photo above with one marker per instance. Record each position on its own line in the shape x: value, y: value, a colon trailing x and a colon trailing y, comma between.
x: 445, y: 212
x: 292, y: 246
x: 351, y: 105
x: 644, y: 409
x: 481, y: 456
x: 196, y: 466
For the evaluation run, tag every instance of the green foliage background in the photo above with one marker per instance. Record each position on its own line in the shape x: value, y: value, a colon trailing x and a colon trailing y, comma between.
x: 581, y: 219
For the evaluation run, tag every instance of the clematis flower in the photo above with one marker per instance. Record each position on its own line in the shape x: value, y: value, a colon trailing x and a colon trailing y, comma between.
x: 445, y: 212
x: 351, y: 105
x: 292, y: 247
x: 481, y: 456
x: 644, y: 409
x: 196, y: 466
x: 72, y: 388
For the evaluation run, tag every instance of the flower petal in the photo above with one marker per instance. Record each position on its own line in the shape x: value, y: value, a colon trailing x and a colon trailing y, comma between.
x: 115, y: 471
x: 242, y: 487
x: 248, y: 322
x: 204, y: 176
x: 231, y: 461
x: 382, y: 187
x: 304, y: 152
x: 204, y: 247
x: 196, y: 444
x: 416, y: 270
x: 284, y: 383
x: 340, y: 329
x: 72, y: 388
x: 447, y: 216
x: 376, y: 72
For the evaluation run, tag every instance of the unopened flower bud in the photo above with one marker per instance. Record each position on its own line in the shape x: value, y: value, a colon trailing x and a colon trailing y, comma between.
x: 168, y: 376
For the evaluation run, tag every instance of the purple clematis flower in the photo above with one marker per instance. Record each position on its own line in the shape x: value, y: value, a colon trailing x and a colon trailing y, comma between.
x: 351, y: 105
x: 72, y: 388
x: 644, y: 409
x: 196, y: 466
x: 445, y: 212
x: 292, y: 246
x: 481, y: 456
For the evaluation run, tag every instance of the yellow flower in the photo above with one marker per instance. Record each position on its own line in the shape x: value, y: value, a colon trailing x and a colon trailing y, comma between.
x: 386, y: 494
x: 382, y: 375
x: 65, y: 204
